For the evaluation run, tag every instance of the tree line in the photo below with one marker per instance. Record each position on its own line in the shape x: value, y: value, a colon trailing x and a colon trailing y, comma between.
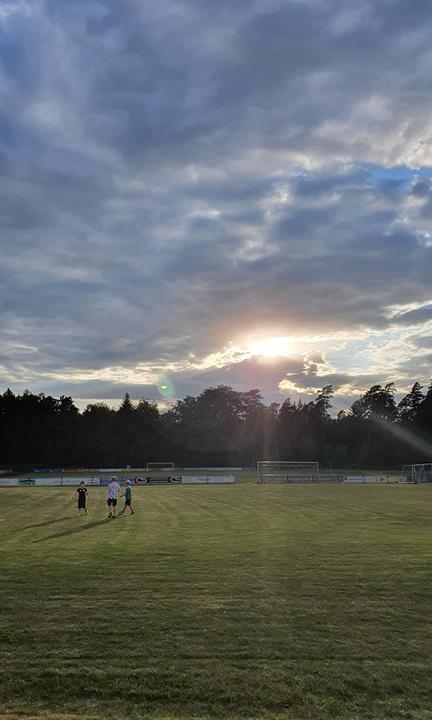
x: 221, y: 426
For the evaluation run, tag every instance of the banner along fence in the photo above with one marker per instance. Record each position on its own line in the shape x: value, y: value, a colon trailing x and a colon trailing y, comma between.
x: 96, y: 480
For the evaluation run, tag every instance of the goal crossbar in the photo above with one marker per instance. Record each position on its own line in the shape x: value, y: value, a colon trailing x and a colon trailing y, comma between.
x: 160, y: 466
x: 286, y: 471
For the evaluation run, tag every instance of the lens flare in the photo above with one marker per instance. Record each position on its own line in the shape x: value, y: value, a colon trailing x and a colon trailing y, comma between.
x: 165, y: 387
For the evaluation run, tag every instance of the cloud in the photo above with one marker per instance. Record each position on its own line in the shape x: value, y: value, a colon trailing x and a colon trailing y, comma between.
x: 177, y: 175
x: 415, y: 317
x: 424, y: 341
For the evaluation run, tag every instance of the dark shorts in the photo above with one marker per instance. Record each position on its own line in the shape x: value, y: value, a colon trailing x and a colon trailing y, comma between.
x: 81, y: 504
x: 112, y: 501
x: 128, y: 502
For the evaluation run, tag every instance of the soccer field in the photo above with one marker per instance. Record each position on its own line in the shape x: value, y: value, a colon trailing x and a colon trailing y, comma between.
x: 249, y: 601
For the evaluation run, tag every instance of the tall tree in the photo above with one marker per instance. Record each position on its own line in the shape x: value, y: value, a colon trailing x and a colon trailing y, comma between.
x: 377, y: 402
x: 126, y: 404
x: 424, y: 414
x: 408, y: 407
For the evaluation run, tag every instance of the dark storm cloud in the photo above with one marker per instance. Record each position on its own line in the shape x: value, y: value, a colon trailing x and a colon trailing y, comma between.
x: 418, y: 368
x: 423, y: 342
x: 174, y: 175
x: 421, y: 189
x: 243, y: 375
x: 308, y: 381
x: 415, y: 317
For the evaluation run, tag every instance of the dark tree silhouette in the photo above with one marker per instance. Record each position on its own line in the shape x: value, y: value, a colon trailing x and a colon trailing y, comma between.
x: 221, y: 426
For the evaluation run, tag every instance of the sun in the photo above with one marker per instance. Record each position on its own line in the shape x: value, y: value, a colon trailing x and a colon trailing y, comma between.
x: 271, y: 347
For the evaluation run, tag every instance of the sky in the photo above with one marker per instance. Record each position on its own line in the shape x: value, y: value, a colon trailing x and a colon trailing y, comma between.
x: 200, y: 193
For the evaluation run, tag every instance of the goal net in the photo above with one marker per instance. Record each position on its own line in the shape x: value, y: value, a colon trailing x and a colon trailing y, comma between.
x: 160, y: 466
x: 419, y: 472
x: 285, y: 471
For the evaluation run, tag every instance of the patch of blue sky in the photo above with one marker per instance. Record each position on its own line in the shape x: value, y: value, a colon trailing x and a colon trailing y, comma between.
x: 402, y: 175
x: 351, y: 356
x: 358, y: 354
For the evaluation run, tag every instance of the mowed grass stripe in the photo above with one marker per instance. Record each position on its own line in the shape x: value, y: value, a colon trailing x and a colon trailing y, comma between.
x: 243, y: 601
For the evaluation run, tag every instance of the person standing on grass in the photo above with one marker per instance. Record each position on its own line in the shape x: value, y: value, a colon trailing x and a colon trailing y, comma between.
x: 81, y: 494
x: 113, y: 491
x: 128, y: 498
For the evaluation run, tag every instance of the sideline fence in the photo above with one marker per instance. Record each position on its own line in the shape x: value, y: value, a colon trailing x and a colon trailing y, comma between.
x: 102, y: 481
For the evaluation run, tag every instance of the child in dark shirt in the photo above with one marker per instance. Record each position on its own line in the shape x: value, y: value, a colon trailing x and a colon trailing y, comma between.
x: 81, y: 494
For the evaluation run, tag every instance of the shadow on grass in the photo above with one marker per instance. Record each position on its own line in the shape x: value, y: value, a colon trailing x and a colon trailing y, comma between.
x: 44, y: 524
x: 72, y: 531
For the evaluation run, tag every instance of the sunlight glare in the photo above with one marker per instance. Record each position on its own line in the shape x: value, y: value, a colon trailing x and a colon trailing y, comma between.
x: 271, y: 347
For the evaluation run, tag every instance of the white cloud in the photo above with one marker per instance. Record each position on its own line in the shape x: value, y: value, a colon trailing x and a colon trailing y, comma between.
x: 177, y: 178
x: 15, y: 7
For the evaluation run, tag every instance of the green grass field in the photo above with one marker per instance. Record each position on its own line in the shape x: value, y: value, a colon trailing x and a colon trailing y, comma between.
x: 249, y: 601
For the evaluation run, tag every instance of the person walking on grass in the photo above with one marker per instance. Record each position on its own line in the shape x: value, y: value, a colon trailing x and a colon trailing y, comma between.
x: 81, y: 495
x: 113, y: 491
x: 128, y: 498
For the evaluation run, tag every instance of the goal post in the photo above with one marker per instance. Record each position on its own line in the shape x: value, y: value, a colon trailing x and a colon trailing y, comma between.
x: 286, y: 471
x: 160, y: 466
x: 418, y: 472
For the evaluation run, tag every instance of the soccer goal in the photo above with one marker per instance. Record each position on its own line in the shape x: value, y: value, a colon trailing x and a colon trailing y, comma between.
x: 286, y: 471
x: 419, y: 472
x: 160, y: 466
